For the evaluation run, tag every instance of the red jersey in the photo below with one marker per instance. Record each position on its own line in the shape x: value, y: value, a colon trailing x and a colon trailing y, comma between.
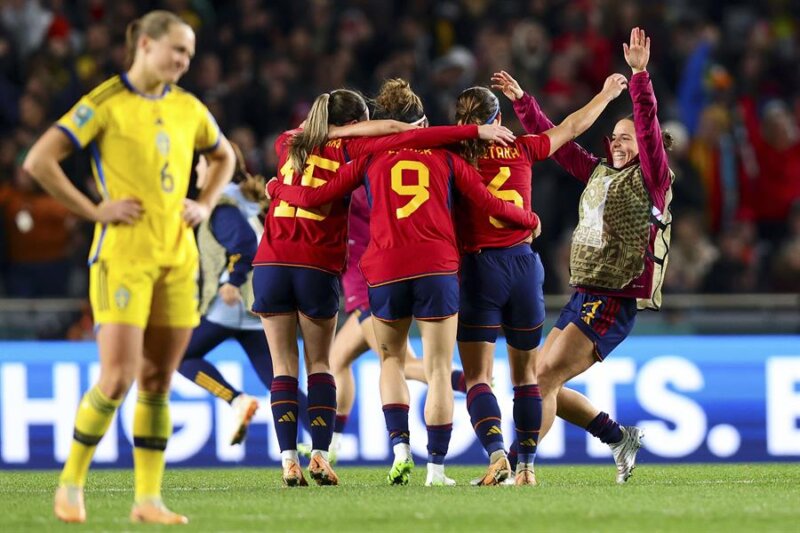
x: 506, y: 172
x: 410, y: 193
x: 317, y: 238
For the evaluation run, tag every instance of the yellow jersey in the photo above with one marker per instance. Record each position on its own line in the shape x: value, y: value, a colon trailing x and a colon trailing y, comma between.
x: 142, y: 147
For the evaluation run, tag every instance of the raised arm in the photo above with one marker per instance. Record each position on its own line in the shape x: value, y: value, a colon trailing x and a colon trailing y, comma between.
x: 369, y: 128
x: 419, y: 138
x: 571, y: 156
x: 583, y: 118
x: 469, y: 182
x: 652, y: 155
x: 347, y: 179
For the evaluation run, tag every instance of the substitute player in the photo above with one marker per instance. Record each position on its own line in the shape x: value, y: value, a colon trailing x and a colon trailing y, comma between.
x: 300, y: 257
x: 502, y: 278
x: 141, y: 131
x: 619, y: 251
x: 411, y: 266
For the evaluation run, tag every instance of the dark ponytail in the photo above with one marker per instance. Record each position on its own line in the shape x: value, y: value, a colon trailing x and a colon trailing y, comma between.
x: 476, y: 105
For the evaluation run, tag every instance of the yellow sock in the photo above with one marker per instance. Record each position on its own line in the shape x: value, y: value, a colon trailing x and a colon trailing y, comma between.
x: 95, y: 413
x: 151, y: 429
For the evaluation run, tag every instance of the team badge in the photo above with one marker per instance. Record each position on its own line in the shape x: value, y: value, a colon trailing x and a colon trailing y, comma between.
x: 162, y: 143
x: 122, y: 297
x: 82, y: 115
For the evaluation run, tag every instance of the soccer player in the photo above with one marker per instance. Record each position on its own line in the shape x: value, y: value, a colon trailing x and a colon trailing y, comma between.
x: 411, y: 266
x: 142, y: 131
x: 227, y: 242
x: 301, y: 255
x: 502, y: 278
x: 624, y: 214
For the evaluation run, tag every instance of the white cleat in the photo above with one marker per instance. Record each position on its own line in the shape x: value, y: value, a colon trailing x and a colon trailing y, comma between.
x: 437, y: 478
x: 625, y: 452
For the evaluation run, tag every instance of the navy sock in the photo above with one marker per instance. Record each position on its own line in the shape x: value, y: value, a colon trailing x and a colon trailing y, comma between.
x: 321, y: 409
x: 207, y: 376
x: 458, y: 381
x: 605, y: 428
x: 396, y: 415
x: 527, y: 420
x: 438, y: 442
x: 485, y: 416
x: 284, y: 411
x: 339, y: 423
x: 512, y: 454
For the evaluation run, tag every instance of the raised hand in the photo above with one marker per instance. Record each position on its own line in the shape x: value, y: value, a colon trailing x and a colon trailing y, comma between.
x: 637, y: 53
x: 126, y: 211
x: 503, y: 81
x: 494, y: 132
x: 614, y: 85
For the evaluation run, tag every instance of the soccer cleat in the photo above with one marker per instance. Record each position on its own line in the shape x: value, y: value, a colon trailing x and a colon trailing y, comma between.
x: 437, y: 477
x: 525, y: 476
x: 320, y: 471
x: 304, y: 450
x: 400, y: 472
x: 245, y: 407
x: 155, y: 512
x: 68, y: 505
x: 625, y: 452
x: 293, y: 475
x: 495, y: 474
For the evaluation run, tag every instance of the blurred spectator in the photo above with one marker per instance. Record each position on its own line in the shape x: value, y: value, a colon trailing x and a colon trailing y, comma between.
x: 786, y: 267
x: 691, y: 254
x: 736, y: 267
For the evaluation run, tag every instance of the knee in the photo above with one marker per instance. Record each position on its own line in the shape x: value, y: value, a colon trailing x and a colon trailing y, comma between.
x: 548, y: 378
x: 475, y: 376
x: 115, y: 385
x: 152, y: 379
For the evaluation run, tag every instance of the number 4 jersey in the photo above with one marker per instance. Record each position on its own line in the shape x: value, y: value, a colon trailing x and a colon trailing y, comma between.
x: 317, y: 237
x: 506, y: 172
x: 410, y: 194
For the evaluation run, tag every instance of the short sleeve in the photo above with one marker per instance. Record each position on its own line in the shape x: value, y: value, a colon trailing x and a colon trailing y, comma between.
x: 208, y: 135
x: 82, y: 123
x: 539, y: 145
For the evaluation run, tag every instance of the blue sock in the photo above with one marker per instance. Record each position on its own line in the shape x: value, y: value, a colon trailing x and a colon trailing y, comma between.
x: 321, y: 409
x: 485, y: 416
x: 396, y: 415
x: 438, y: 442
x: 207, y: 376
x: 284, y: 411
x: 605, y: 428
x: 339, y: 423
x: 458, y: 381
x: 527, y: 420
x: 512, y: 454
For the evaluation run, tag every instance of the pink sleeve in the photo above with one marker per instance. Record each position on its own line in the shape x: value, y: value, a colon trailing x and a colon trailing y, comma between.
x: 652, y: 155
x: 347, y: 179
x: 413, y: 139
x: 469, y: 182
x: 572, y: 157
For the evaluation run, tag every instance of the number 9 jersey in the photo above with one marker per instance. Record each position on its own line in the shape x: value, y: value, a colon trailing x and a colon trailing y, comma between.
x: 142, y: 147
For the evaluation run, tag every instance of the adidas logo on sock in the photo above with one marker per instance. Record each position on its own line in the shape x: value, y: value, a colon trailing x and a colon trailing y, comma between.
x: 528, y: 442
x: 288, y: 417
x: 319, y: 422
x: 494, y: 430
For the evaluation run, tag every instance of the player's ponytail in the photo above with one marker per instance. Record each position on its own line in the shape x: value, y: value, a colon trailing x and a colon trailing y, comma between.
x: 154, y: 24
x: 337, y: 108
x: 396, y: 100
x: 476, y: 105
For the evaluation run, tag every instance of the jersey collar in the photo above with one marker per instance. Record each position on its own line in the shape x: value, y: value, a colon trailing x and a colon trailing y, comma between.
x: 131, y: 88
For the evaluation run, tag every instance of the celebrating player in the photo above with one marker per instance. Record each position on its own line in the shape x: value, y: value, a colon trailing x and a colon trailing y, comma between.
x: 624, y: 215
x: 502, y: 278
x: 141, y: 131
x: 411, y: 266
x: 301, y: 255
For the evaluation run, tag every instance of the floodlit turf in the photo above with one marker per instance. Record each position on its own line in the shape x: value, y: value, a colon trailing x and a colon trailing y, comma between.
x: 750, y: 497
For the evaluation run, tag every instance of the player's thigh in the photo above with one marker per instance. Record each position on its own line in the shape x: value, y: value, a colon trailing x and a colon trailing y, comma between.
x: 281, y: 333
x: 121, y: 349
x: 392, y: 337
x: 163, y: 351
x: 477, y: 361
x: 175, y: 297
x: 317, y: 340
x: 349, y: 342
x: 570, y: 355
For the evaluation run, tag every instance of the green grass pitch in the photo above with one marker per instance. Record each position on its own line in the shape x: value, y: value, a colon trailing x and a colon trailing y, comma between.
x: 746, y: 497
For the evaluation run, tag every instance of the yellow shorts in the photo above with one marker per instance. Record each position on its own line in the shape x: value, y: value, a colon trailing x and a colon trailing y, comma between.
x: 142, y: 293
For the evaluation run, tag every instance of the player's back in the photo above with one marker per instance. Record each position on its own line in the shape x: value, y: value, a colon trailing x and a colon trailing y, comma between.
x: 410, y: 193
x: 506, y: 172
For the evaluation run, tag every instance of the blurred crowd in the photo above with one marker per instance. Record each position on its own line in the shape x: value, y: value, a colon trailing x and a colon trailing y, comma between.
x: 726, y: 74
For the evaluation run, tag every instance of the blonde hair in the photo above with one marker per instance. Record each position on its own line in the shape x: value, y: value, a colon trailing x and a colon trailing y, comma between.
x: 338, y: 107
x: 154, y: 24
x: 397, y: 101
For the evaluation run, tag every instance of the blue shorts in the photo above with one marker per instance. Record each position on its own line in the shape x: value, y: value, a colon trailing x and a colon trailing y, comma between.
x: 502, y: 287
x: 363, y: 313
x: 280, y: 290
x: 424, y: 298
x: 605, y: 320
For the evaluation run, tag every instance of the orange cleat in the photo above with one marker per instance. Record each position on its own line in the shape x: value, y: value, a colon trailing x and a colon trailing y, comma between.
x: 525, y: 476
x: 245, y: 407
x: 321, y: 471
x: 496, y: 473
x: 155, y: 512
x: 68, y: 505
x: 293, y: 475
